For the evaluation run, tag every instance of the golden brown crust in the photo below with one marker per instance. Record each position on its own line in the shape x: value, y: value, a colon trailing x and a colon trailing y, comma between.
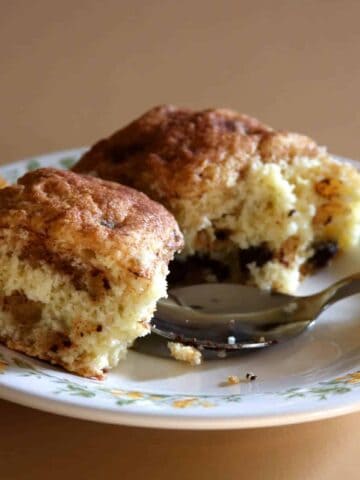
x: 41, y: 351
x: 172, y: 153
x: 75, y: 215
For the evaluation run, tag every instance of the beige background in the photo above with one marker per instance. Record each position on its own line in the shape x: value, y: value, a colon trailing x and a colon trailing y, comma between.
x: 72, y: 71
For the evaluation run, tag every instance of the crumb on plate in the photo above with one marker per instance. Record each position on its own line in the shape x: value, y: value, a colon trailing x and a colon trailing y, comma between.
x: 233, y: 380
x: 185, y: 353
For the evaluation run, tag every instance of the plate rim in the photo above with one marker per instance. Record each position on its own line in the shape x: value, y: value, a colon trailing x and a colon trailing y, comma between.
x: 166, y: 421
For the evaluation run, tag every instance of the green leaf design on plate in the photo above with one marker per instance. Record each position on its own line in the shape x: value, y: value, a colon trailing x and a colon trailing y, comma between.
x: 121, y: 402
x: 76, y: 390
x: 233, y: 398
x: 121, y: 397
x: 11, y: 175
x: 67, y: 162
x: 293, y: 393
x: 32, y: 165
x: 322, y: 391
x: 27, y: 370
x: 24, y: 365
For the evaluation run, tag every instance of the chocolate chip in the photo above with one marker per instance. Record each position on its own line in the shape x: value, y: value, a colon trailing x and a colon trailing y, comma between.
x: 99, y: 328
x: 67, y: 343
x: 220, y: 270
x: 196, y: 269
x: 54, y: 348
x: 323, y: 253
x: 259, y: 255
x: 222, y: 234
x: 106, y: 283
x: 291, y: 212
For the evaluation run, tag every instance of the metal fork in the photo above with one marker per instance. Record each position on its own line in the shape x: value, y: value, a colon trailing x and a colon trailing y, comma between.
x: 233, y: 317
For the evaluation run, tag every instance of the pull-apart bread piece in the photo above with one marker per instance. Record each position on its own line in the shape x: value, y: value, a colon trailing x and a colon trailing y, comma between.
x: 254, y: 204
x: 82, y: 264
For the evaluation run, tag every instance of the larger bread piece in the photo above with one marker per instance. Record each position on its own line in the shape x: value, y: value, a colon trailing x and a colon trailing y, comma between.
x: 254, y: 204
x: 82, y: 265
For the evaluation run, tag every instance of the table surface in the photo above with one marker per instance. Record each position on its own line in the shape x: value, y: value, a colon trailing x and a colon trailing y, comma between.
x: 72, y: 72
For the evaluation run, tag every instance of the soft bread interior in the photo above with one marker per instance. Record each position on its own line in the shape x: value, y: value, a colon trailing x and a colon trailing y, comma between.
x: 42, y: 312
x: 271, y: 225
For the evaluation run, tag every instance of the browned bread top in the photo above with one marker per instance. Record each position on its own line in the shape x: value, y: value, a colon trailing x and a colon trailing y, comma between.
x: 84, y: 216
x: 172, y: 152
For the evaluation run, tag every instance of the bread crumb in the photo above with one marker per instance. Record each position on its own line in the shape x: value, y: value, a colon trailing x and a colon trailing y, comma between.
x: 233, y: 380
x: 185, y: 353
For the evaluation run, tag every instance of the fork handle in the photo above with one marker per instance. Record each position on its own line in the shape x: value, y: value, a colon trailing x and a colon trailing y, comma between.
x: 343, y: 288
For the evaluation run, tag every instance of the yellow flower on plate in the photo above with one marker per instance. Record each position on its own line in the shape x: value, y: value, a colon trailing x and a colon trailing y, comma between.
x: 354, y: 377
x: 118, y: 393
x: 351, y: 378
x: 135, y: 395
x: 186, y: 402
x: 3, y: 366
x: 155, y: 397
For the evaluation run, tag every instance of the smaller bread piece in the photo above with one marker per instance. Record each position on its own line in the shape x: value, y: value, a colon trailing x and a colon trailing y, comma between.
x: 82, y: 264
x: 255, y: 204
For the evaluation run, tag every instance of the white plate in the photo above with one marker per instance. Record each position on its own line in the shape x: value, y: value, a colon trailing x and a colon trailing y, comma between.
x: 316, y: 375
